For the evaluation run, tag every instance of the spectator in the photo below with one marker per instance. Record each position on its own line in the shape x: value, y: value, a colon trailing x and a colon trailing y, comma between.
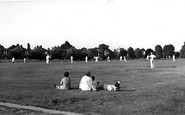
x: 65, y: 83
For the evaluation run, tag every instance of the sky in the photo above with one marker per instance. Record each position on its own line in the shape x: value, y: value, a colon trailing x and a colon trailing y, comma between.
x: 88, y: 23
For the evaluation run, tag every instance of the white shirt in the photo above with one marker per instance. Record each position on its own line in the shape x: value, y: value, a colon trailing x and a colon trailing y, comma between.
x: 86, y: 83
x: 152, y: 57
x: 47, y: 57
x: 111, y: 87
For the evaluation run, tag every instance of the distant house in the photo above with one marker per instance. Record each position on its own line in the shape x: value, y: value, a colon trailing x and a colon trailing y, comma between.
x: 3, y: 52
x: 39, y: 53
x: 16, y: 51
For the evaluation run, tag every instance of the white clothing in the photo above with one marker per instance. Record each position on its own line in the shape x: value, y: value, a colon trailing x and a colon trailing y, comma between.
x: 47, y: 59
x: 24, y: 60
x: 71, y: 59
x: 173, y: 57
x: 151, y: 60
x: 121, y: 58
x: 108, y: 59
x: 96, y: 59
x: 85, y: 83
x: 86, y: 59
x: 13, y: 60
x: 147, y: 58
x: 111, y: 87
x: 125, y: 59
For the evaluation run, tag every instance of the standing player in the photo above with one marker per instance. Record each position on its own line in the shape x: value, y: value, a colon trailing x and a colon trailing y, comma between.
x: 125, y: 59
x: 96, y: 59
x: 121, y: 58
x: 71, y: 59
x: 13, y: 60
x: 152, y: 56
x: 86, y: 59
x: 47, y: 59
x: 173, y: 58
x: 24, y: 60
x: 108, y: 59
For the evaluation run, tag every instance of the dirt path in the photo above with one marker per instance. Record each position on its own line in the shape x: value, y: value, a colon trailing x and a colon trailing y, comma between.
x: 36, y: 109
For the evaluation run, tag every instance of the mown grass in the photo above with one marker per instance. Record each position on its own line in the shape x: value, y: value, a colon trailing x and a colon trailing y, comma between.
x: 145, y: 91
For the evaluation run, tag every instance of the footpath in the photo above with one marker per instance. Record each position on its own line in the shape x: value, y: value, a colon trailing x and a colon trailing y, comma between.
x: 15, y: 109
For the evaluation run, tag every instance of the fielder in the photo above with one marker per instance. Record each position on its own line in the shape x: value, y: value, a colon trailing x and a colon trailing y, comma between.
x: 152, y: 56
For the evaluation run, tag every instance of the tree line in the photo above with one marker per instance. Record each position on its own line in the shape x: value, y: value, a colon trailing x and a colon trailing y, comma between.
x: 103, y: 51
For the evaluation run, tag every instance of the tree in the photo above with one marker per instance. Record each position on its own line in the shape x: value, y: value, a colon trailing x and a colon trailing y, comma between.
x: 2, y: 49
x: 182, y: 51
x: 148, y: 52
x: 103, y: 50
x: 177, y: 54
x: 158, y: 51
x: 131, y: 53
x: 55, y: 53
x: 92, y: 52
x: 123, y: 52
x: 17, y: 51
x: 79, y: 56
x: 138, y: 53
x: 65, y: 50
x: 66, y: 45
x: 28, y: 47
x: 168, y: 50
x: 71, y: 52
x: 38, y: 53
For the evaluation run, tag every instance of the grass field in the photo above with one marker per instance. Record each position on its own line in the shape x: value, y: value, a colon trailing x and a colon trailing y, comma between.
x: 146, y: 91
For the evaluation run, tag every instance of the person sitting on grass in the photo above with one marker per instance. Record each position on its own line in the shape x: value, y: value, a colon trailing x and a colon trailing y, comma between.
x: 86, y: 82
x: 65, y: 83
x: 109, y: 87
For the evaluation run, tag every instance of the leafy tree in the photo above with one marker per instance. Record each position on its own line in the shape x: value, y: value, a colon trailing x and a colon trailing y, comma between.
x: 28, y: 47
x: 177, y: 54
x: 158, y: 51
x: 83, y: 50
x: 123, y: 52
x: 182, y: 51
x: 66, y: 45
x: 131, y: 53
x: 79, y: 56
x: 110, y: 53
x: 148, y: 51
x: 16, y: 51
x: 168, y: 50
x: 143, y: 52
x: 38, y: 53
x: 138, y: 53
x: 113, y: 54
x: 71, y: 52
x: 55, y: 53
x: 66, y: 50
x: 2, y: 49
x: 92, y: 52
x: 103, y: 50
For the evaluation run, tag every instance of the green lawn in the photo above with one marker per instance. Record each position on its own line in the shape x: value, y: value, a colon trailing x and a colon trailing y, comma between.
x: 146, y: 91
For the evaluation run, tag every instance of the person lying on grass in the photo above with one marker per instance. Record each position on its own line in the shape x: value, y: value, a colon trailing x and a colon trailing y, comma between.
x: 65, y: 83
x: 110, y: 87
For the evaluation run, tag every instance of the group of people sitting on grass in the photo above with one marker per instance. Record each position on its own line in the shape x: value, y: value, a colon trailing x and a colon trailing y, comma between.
x: 87, y: 83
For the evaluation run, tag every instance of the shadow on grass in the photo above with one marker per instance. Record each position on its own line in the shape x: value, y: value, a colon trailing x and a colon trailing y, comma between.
x: 167, y: 67
x: 127, y: 90
x: 74, y: 88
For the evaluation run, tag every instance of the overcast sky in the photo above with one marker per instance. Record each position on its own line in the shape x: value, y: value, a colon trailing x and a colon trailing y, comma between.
x: 88, y: 23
